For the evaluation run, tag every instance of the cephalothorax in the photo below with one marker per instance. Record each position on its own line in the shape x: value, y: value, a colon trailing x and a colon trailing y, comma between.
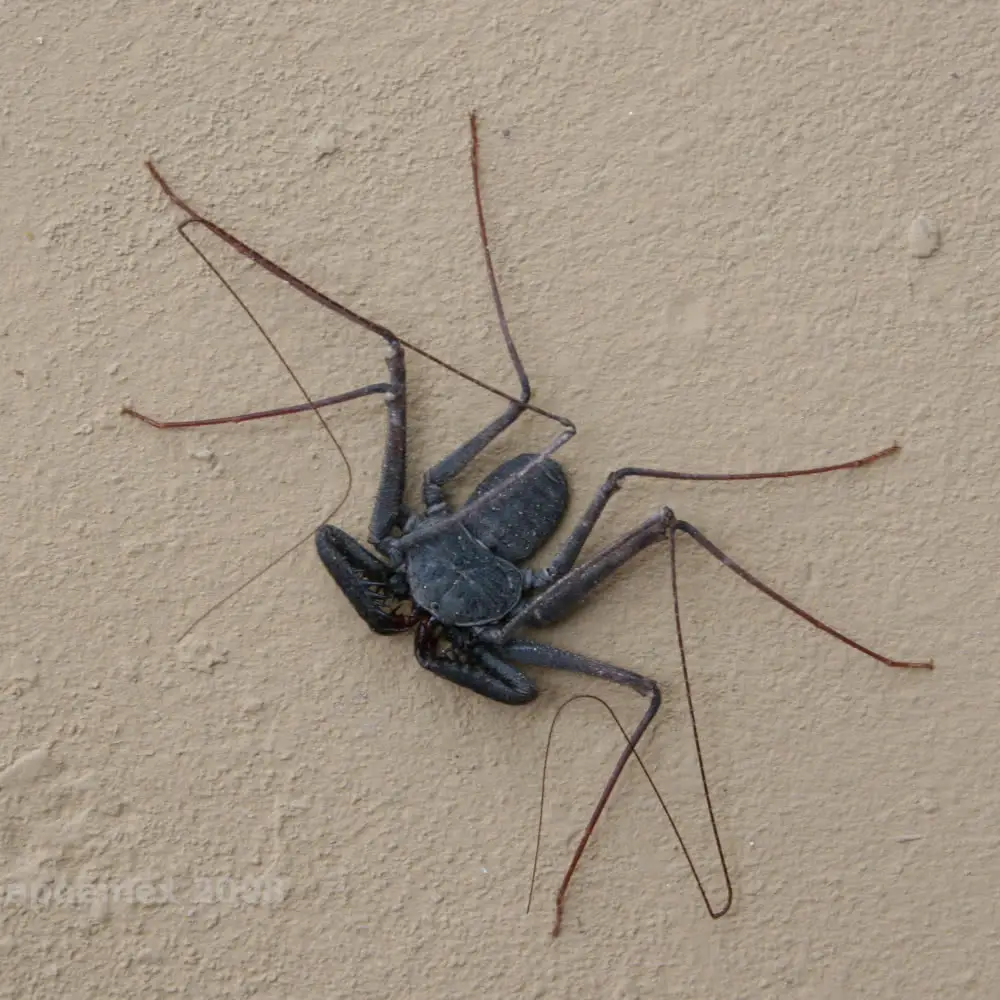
x: 466, y: 575
x: 459, y: 577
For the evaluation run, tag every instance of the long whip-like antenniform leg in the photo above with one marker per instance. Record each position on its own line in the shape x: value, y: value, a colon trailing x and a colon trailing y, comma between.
x: 542, y: 655
x: 714, y: 912
x: 387, y: 509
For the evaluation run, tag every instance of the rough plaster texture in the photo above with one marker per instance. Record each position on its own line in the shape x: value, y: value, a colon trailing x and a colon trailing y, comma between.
x: 701, y: 216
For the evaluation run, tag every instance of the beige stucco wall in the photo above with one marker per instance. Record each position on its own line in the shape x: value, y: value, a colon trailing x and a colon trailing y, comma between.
x: 700, y: 219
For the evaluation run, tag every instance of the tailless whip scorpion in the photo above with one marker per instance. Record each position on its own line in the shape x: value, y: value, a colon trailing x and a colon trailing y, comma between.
x: 458, y: 575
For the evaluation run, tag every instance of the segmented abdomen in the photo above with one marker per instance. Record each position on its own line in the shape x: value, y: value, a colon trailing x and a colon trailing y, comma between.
x: 522, y: 517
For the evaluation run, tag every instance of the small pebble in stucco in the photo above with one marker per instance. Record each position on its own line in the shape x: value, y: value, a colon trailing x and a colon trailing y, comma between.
x: 924, y: 236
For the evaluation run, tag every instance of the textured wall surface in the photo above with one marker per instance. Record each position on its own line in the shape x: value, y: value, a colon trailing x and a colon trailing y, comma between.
x: 729, y: 237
